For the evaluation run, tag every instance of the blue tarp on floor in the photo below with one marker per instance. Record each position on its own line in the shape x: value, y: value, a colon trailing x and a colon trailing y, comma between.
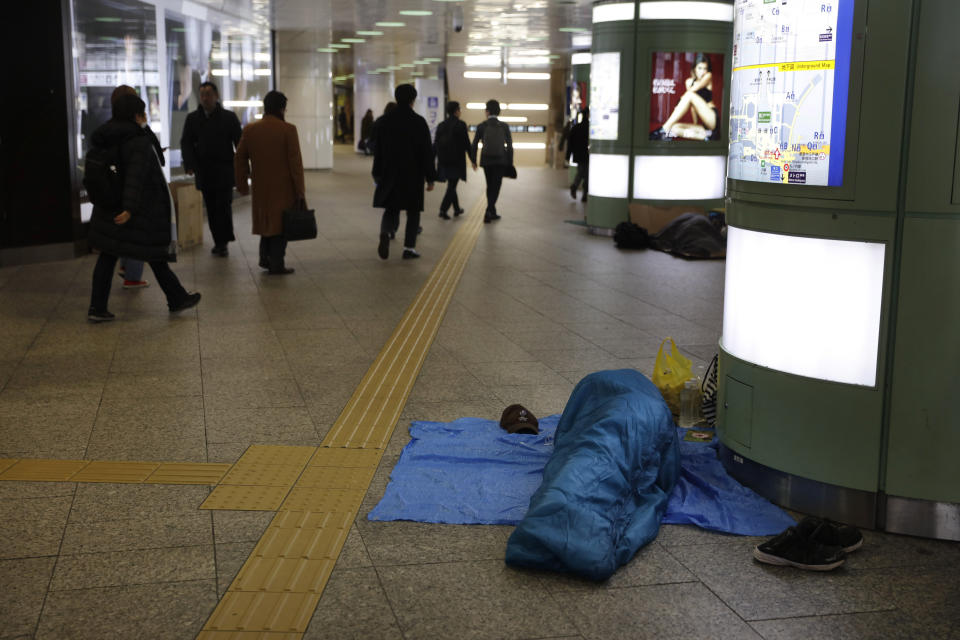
x: 471, y: 471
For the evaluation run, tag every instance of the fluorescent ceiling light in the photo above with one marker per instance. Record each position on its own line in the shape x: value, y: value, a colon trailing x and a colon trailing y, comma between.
x: 524, y: 106
x: 338, y: 45
x: 529, y: 61
x: 369, y: 33
x: 476, y: 106
x: 668, y: 177
x: 416, y: 73
x: 391, y: 24
x: 258, y: 116
x: 353, y: 40
x: 531, y: 52
x: 407, y: 65
x: 609, y: 175
x: 582, y: 57
x: 219, y: 72
x: 327, y: 50
x: 529, y: 145
x: 573, y: 29
x: 261, y: 57
x: 433, y: 59
x: 242, y: 103
x: 219, y: 55
x: 806, y: 306
x: 522, y: 75
x: 456, y: 54
x: 582, y: 40
x: 674, y: 10
x: 262, y: 72
x: 478, y: 75
x: 512, y: 118
x: 482, y: 61
x: 106, y: 19
x: 613, y: 12
x: 415, y: 12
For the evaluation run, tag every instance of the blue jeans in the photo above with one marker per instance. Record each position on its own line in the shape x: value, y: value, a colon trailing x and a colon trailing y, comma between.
x: 132, y: 269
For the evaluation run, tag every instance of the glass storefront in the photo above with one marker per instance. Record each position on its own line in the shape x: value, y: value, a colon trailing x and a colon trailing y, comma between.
x: 165, y: 49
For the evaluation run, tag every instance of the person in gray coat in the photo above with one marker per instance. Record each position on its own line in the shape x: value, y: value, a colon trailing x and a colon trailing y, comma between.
x: 496, y: 157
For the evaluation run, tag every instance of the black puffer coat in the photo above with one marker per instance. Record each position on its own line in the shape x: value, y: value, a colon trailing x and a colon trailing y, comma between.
x: 146, y: 236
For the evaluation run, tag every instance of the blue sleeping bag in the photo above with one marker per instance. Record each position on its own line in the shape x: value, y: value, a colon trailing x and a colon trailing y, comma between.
x: 606, y: 486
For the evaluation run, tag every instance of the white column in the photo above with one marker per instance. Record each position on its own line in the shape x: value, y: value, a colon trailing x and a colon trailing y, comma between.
x: 305, y: 77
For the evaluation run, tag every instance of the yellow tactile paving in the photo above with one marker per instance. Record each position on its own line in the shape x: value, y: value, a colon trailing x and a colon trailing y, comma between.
x: 188, y: 473
x: 280, y: 583
x: 307, y: 542
x: 263, y: 611
x: 43, y: 470
x: 346, y: 458
x: 294, y: 575
x: 245, y: 498
x: 273, y: 475
x: 6, y: 463
x: 136, y: 472
x: 336, y: 478
x: 310, y: 499
x: 276, y: 454
x: 247, y: 635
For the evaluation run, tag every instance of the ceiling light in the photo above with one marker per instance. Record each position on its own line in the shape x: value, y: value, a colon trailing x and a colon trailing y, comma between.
x: 573, y: 29
x: 476, y: 106
x: 242, y: 103
x: 478, y: 75
x: 407, y: 65
x: 391, y: 24
x: 106, y: 19
x: 219, y: 72
x: 220, y: 55
x: 261, y: 72
x: 415, y: 12
x: 327, y: 50
x: 529, y: 61
x: 261, y: 57
x: 416, y: 73
x: 340, y: 46
x: 526, y: 106
x: 521, y: 75
x: 481, y: 61
x: 355, y: 40
x: 613, y: 12
x: 369, y: 33
x: 529, y: 145
x: 456, y: 54
x: 433, y: 59
x: 582, y: 40
x: 513, y: 118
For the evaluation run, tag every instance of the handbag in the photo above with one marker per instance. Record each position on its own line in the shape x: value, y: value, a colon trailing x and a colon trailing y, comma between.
x: 299, y: 223
x: 510, y: 172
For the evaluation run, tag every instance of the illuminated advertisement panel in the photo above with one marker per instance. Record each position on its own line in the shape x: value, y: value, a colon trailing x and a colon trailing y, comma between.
x: 788, y: 91
x: 605, y: 96
x: 686, y: 92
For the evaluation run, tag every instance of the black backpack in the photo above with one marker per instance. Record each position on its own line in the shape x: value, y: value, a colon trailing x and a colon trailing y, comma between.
x: 102, y: 177
x: 628, y: 235
x: 494, y: 141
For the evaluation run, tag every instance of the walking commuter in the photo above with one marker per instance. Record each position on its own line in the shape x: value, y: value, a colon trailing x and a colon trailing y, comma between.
x: 579, y: 148
x: 496, y: 156
x: 269, y: 151
x: 131, y: 270
x: 141, y: 226
x: 209, y: 137
x: 366, y: 129
x: 451, y: 142
x: 342, y: 121
x: 402, y: 162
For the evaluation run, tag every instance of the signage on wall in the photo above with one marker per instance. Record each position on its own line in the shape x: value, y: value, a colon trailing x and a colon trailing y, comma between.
x: 788, y: 93
x: 605, y: 96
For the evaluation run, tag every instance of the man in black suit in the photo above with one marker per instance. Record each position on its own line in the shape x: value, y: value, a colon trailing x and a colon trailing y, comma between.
x: 210, y: 135
x: 449, y: 146
x: 402, y: 162
x: 579, y: 148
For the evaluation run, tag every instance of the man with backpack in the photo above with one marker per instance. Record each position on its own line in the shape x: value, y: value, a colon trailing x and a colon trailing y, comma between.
x: 496, y: 157
x: 132, y: 207
x: 210, y: 135
x: 451, y: 142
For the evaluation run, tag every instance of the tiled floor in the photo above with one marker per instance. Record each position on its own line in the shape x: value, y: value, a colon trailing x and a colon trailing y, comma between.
x: 273, y: 360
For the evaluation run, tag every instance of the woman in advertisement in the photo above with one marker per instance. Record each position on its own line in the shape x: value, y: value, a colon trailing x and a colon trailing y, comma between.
x: 698, y: 101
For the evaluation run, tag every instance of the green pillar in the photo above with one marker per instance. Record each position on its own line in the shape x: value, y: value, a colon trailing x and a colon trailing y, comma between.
x: 656, y: 52
x: 841, y: 302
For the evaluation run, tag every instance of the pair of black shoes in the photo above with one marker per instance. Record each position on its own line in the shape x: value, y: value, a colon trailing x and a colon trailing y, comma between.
x: 814, y: 544
x: 457, y: 211
x: 265, y: 264
x: 490, y: 217
x: 220, y: 250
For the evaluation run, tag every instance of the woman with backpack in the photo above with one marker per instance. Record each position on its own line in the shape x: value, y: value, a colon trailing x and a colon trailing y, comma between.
x: 136, y: 220
x: 449, y: 145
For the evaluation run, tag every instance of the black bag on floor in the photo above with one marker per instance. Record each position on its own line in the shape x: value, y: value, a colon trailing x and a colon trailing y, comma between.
x: 299, y: 223
x: 628, y: 235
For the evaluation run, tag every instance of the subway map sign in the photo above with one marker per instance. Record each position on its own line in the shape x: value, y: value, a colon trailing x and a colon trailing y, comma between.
x: 788, y: 93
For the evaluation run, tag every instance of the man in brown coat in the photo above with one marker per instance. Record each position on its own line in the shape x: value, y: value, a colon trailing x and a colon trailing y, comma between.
x: 272, y: 147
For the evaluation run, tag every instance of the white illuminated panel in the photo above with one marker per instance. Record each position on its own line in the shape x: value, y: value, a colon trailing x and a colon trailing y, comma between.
x: 662, y: 10
x: 582, y: 57
x: 582, y: 40
x: 488, y: 75
x: 529, y: 145
x: 613, y: 12
x: 242, y: 103
x: 609, y: 175
x: 806, y: 306
x: 524, y: 75
x: 679, y: 177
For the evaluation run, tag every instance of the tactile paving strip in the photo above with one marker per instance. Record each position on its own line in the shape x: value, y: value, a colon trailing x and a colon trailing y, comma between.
x: 188, y: 473
x: 276, y: 454
x: 6, y: 463
x: 247, y: 635
x: 272, y: 475
x: 279, y: 585
x: 118, y: 472
x: 43, y: 470
x: 244, y: 498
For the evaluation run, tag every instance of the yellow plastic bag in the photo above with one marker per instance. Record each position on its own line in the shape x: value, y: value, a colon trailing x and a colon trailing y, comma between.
x: 670, y: 371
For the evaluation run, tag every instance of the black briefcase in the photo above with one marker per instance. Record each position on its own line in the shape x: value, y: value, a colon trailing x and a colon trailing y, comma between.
x: 510, y: 172
x: 299, y: 223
